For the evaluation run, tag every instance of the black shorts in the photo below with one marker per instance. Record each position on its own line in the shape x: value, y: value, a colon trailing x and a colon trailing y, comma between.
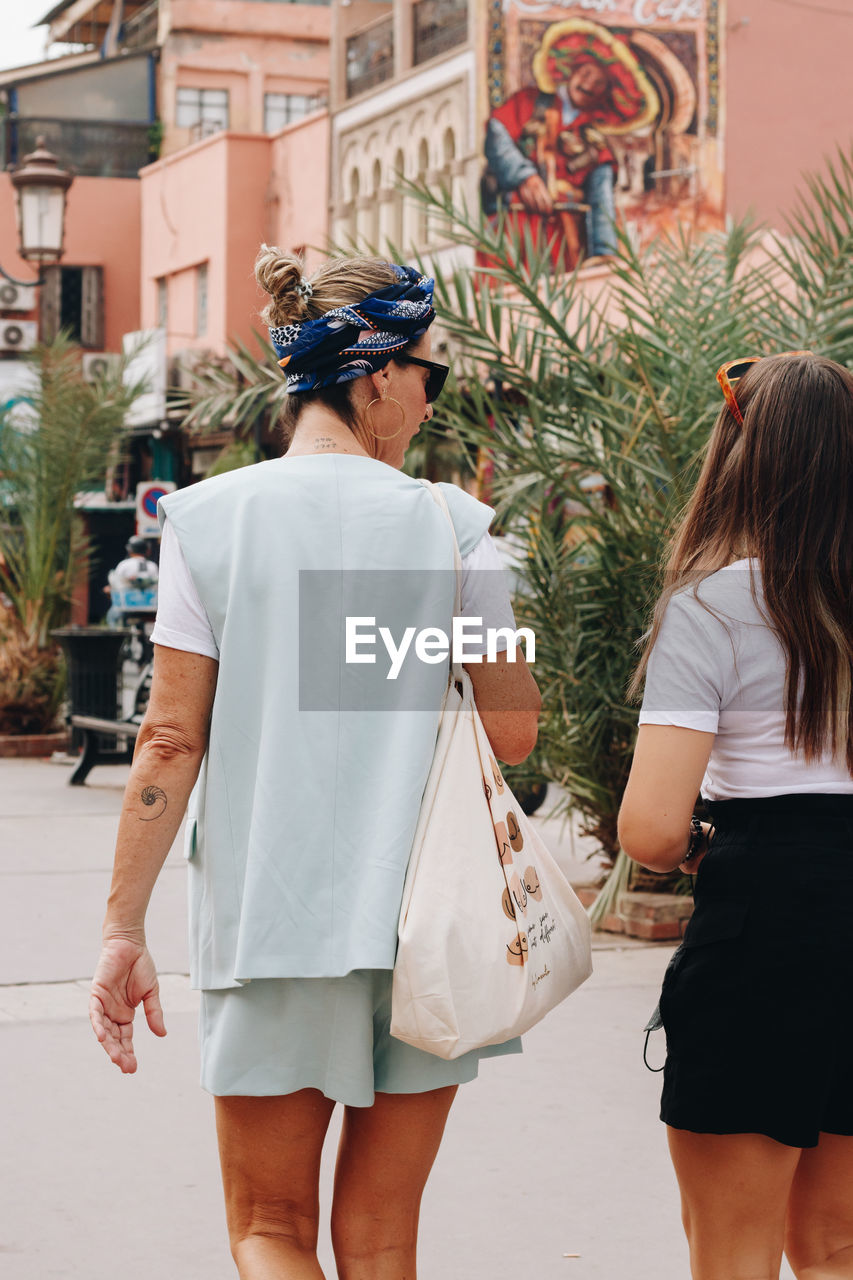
x: 757, y: 1004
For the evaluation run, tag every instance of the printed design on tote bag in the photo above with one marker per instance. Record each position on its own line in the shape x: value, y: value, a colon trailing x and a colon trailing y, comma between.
x: 532, y: 885
x: 504, y: 844
x: 516, y: 839
x: 516, y: 951
x: 522, y: 888
x: 519, y: 894
x: 514, y: 897
x: 540, y: 930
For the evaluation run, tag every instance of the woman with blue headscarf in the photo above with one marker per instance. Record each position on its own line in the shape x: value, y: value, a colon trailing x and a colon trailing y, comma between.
x: 285, y: 698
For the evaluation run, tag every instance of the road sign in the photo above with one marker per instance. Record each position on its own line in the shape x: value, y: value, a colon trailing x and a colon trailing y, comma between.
x: 147, y: 496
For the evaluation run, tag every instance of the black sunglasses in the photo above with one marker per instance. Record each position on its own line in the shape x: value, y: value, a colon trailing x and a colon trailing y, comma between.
x: 437, y: 375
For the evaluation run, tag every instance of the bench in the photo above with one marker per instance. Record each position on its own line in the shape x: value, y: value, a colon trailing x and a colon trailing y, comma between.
x: 96, y: 728
x: 93, y: 753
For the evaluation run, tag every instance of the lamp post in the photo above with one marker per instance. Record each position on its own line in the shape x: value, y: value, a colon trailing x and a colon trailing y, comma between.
x: 41, y: 190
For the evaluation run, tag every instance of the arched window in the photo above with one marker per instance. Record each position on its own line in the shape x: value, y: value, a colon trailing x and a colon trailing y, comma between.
x: 354, y: 193
x: 423, y: 215
x: 372, y: 220
x: 396, y: 229
x: 448, y: 155
x: 448, y: 146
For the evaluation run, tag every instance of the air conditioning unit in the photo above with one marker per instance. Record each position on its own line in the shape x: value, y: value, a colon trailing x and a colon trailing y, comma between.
x: 17, y: 297
x: 18, y: 335
x: 98, y: 364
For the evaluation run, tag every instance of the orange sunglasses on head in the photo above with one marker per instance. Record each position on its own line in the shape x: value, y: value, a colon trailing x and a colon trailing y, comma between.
x: 732, y: 371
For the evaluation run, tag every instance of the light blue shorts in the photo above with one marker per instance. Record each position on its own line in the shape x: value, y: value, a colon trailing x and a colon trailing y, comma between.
x: 275, y: 1035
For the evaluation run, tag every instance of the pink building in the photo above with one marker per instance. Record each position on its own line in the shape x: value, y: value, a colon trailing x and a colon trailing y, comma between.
x: 164, y: 78
x: 205, y: 211
x: 247, y: 65
x: 226, y: 97
x: 96, y: 290
x: 788, y: 99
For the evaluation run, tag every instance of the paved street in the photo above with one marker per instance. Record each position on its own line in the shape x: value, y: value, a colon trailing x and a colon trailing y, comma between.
x: 552, y: 1154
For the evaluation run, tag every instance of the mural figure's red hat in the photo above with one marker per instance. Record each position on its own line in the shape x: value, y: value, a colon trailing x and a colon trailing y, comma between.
x: 633, y: 101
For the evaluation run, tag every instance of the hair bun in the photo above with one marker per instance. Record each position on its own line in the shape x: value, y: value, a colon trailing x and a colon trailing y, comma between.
x: 280, y: 275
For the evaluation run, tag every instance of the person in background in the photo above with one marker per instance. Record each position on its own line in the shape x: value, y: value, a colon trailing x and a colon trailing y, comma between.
x: 136, y: 570
x: 135, y: 573
x: 302, y: 820
x: 748, y: 683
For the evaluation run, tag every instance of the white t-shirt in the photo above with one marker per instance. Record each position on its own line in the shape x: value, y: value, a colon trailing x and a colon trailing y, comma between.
x: 724, y: 673
x: 134, y: 567
x: 182, y: 622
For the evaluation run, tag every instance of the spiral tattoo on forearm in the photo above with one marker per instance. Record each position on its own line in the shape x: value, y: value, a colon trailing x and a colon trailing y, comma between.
x: 153, y: 796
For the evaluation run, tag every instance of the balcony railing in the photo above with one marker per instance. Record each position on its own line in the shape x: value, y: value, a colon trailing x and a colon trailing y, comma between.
x: 140, y: 30
x: 92, y: 148
x: 439, y: 25
x: 205, y: 129
x: 370, y: 56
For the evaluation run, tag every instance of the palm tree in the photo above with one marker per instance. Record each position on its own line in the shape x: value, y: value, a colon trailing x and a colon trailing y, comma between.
x: 595, y: 411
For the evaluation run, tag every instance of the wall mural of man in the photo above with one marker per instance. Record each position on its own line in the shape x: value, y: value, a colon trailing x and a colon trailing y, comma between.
x: 547, y: 148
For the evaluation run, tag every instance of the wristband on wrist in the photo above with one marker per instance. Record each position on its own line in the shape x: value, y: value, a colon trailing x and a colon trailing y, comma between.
x: 696, y: 837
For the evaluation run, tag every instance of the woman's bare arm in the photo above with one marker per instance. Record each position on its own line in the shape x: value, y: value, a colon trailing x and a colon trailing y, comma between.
x: 509, y: 702
x: 666, y: 774
x: 169, y: 751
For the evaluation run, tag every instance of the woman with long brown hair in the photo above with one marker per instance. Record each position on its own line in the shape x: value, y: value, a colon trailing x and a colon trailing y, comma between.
x: 748, y: 680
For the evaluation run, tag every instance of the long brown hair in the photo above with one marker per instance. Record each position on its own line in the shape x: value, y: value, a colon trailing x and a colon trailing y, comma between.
x: 780, y: 489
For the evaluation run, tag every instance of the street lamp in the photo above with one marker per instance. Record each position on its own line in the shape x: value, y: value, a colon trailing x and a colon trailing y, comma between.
x: 41, y: 189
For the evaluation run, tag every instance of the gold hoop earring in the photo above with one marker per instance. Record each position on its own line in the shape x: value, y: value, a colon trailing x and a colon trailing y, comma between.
x: 384, y: 400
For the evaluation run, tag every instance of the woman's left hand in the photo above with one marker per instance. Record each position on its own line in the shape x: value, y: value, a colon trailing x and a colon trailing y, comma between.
x: 125, y: 977
x: 692, y: 866
x: 666, y: 777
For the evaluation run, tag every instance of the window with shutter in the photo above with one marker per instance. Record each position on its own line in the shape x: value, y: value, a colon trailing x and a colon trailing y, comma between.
x: 72, y: 298
x: 50, y: 302
x: 92, y: 308
x: 201, y: 299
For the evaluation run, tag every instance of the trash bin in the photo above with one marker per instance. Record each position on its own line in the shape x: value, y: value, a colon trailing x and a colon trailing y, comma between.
x: 92, y: 654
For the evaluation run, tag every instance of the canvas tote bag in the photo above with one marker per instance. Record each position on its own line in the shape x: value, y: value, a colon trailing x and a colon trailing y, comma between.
x: 491, y: 935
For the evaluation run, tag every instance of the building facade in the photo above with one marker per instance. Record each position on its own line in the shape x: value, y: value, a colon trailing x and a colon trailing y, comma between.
x: 201, y: 103
x: 403, y: 103
x: 196, y: 129
x: 199, y: 129
x: 693, y: 111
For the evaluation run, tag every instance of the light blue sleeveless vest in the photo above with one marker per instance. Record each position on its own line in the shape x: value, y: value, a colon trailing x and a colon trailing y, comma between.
x: 300, y: 827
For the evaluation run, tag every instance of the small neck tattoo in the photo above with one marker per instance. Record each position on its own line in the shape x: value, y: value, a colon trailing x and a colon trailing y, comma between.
x: 328, y: 444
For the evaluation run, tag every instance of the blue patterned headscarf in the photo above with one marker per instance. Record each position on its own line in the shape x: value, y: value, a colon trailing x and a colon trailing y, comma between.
x: 351, y: 341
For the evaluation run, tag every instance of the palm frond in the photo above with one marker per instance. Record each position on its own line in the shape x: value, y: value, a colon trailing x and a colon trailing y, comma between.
x: 61, y: 447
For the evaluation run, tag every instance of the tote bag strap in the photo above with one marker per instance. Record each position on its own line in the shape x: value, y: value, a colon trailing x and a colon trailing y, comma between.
x: 440, y: 500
